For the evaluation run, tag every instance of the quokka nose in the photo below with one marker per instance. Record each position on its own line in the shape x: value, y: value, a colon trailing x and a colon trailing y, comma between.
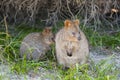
x: 79, y: 38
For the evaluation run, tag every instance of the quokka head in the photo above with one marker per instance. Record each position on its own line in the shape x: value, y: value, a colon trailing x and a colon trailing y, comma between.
x: 48, y: 36
x: 72, y: 29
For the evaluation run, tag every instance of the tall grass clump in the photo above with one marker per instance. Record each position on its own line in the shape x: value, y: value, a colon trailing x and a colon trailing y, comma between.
x: 103, y: 39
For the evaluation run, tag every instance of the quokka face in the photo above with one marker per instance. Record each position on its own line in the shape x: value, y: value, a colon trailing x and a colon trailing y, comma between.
x: 72, y: 30
x: 48, y: 36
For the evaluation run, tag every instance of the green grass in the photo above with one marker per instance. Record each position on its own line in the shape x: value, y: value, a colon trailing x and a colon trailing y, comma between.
x: 98, y: 39
x: 101, y: 71
x: 9, y: 52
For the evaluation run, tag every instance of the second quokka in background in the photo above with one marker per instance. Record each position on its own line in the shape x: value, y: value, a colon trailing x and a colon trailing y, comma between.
x: 35, y: 45
x: 71, y: 45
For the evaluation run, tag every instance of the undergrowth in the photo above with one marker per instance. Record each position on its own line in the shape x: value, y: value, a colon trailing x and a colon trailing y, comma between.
x: 100, y: 71
x: 99, y: 39
x: 9, y: 53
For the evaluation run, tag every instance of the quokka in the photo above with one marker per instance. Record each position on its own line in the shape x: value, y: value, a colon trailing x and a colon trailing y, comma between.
x: 35, y: 45
x: 71, y: 45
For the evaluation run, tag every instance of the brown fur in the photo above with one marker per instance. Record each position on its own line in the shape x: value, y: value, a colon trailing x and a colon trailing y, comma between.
x: 71, y: 44
x: 35, y: 45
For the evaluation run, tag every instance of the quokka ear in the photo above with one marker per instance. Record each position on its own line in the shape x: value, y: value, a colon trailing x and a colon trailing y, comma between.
x: 67, y: 23
x: 77, y: 22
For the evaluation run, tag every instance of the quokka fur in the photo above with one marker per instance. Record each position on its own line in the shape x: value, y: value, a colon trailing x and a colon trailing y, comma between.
x: 35, y: 45
x: 71, y: 45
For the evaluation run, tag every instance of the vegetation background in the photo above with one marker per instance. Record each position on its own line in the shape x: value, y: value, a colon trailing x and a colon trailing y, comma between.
x: 99, y: 19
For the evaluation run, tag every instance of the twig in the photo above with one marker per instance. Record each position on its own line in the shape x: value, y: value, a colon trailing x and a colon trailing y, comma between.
x: 6, y: 26
x: 70, y: 9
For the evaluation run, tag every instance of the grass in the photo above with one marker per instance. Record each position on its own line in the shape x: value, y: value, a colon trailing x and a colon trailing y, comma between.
x: 99, y: 39
x: 9, y: 50
x: 100, y: 71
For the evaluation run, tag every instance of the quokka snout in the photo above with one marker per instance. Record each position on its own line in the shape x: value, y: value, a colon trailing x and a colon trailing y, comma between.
x: 35, y: 45
x: 71, y: 44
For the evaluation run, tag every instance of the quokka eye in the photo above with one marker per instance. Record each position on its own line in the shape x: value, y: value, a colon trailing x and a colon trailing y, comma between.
x: 73, y: 33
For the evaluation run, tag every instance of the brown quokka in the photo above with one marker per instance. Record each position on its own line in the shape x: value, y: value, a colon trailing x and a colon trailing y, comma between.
x: 35, y: 45
x: 71, y: 45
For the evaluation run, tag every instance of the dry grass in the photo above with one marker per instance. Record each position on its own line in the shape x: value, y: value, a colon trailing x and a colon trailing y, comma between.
x: 97, y: 12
